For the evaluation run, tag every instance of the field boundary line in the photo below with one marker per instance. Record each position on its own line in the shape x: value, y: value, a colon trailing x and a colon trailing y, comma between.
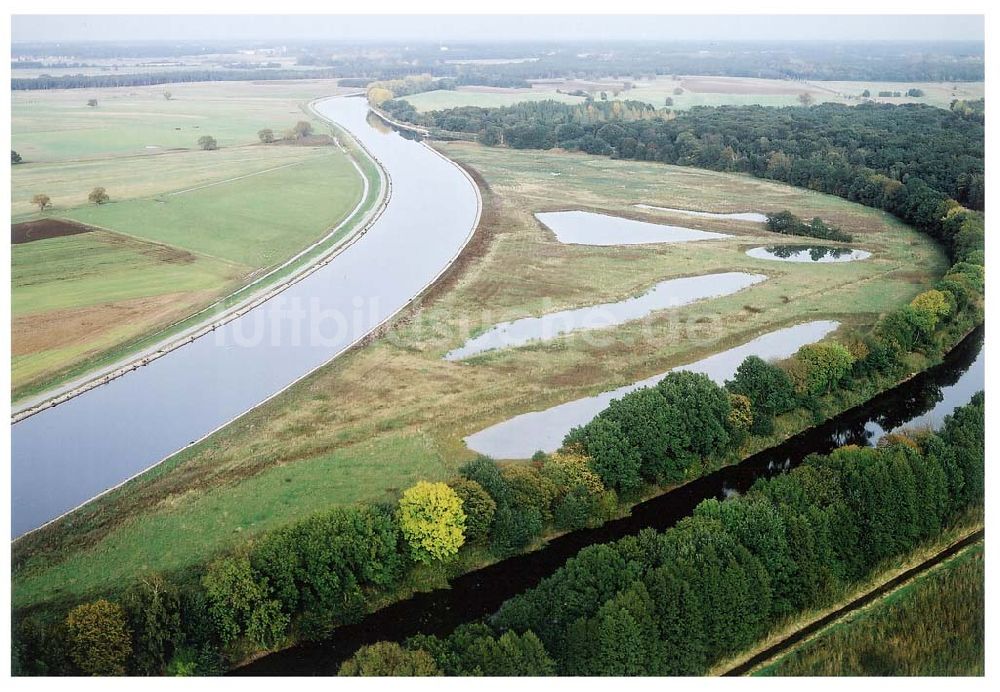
x: 250, y: 175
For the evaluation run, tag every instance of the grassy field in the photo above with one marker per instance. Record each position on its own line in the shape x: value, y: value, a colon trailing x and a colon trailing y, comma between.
x: 383, y: 416
x: 702, y: 91
x: 933, y: 626
x: 80, y: 301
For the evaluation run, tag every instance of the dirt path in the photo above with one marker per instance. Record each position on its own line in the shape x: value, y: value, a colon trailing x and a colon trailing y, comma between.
x: 860, y: 602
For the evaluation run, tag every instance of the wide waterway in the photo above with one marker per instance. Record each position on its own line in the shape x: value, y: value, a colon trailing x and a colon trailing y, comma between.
x: 68, y: 454
x: 924, y: 400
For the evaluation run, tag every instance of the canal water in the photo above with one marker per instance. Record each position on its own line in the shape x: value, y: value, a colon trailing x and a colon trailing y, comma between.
x: 924, y: 400
x: 66, y: 455
x: 666, y: 294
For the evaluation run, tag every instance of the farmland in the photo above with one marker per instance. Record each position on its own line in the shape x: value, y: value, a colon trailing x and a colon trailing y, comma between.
x: 81, y: 301
x: 689, y: 91
x: 381, y: 417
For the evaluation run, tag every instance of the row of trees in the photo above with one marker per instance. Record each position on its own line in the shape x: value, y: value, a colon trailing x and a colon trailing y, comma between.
x: 786, y: 222
x: 134, y: 79
x: 302, y: 580
x: 901, y: 158
x: 676, y: 602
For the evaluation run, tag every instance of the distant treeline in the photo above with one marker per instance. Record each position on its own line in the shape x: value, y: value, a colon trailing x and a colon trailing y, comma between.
x: 133, y: 79
x: 677, y: 602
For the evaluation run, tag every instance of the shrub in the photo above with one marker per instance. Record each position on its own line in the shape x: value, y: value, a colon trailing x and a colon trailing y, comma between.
x: 388, y: 659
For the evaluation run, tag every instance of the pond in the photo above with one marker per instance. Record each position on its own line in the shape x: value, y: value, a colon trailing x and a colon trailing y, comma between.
x: 523, y: 435
x: 588, y: 228
x: 666, y: 294
x: 808, y: 253
x: 751, y: 216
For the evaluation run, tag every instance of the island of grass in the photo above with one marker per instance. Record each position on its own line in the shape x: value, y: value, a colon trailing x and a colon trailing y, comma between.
x: 380, y: 418
x: 183, y: 227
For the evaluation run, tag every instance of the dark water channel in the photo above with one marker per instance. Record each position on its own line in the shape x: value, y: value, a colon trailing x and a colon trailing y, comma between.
x: 924, y: 400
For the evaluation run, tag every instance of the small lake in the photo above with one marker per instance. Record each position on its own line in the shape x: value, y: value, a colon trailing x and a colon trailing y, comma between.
x: 588, y: 228
x: 751, y: 216
x: 666, y: 294
x: 523, y: 435
x: 808, y: 253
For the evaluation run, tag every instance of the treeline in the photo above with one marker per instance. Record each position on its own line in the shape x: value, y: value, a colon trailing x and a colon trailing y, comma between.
x: 676, y: 602
x: 134, y: 79
x: 302, y: 580
x: 786, y: 222
x: 906, y: 159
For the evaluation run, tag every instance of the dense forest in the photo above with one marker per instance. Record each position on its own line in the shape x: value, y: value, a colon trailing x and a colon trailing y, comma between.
x: 905, y: 159
x: 676, y: 602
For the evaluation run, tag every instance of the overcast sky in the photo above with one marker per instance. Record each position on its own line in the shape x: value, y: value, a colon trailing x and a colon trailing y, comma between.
x: 478, y: 28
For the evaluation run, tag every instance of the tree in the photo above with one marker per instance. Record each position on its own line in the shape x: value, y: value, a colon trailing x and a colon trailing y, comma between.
x: 528, y: 488
x: 805, y: 99
x: 41, y: 201
x: 167, y: 95
x: 208, y: 143
x: 98, y: 195
x: 239, y: 605
x: 825, y: 365
x: 92, y: 103
x: 388, y: 659
x: 266, y: 135
x: 432, y: 521
x: 15, y: 158
x: 866, y: 94
x: 678, y: 91
x: 478, y: 506
x: 769, y: 388
x: 152, y: 609
x: 668, y: 102
x: 932, y: 306
x: 302, y: 129
x: 99, y: 641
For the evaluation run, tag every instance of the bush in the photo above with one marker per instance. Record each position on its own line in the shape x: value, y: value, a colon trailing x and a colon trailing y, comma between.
x: 769, y: 389
x: 824, y: 366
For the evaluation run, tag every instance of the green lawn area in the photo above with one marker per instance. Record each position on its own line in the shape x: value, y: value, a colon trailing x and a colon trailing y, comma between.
x: 378, y: 418
x: 256, y: 221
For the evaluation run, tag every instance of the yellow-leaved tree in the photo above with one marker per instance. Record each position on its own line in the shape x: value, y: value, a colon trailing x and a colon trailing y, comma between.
x: 432, y: 521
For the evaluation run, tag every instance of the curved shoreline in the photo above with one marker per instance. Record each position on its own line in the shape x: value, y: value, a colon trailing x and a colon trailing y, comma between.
x: 375, y: 330
x: 62, y: 393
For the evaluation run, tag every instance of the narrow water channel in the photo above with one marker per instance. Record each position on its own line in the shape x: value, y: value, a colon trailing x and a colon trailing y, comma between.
x: 924, y: 400
x: 66, y: 455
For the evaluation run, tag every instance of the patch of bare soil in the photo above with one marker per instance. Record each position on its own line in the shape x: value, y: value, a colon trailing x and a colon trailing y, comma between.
x: 56, y: 329
x: 43, y: 229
